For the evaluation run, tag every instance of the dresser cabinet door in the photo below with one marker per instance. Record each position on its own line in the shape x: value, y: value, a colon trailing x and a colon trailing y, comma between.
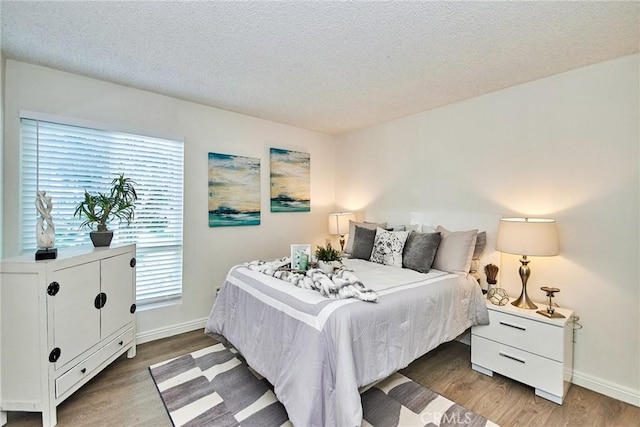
x: 76, y: 320
x: 117, y: 284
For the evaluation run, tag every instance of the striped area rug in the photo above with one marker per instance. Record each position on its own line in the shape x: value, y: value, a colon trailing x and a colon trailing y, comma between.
x: 215, y: 387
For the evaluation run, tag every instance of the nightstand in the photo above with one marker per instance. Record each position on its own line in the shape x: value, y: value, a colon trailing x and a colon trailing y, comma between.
x: 526, y: 347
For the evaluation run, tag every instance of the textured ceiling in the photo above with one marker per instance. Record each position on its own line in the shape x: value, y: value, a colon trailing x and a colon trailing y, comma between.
x: 326, y: 66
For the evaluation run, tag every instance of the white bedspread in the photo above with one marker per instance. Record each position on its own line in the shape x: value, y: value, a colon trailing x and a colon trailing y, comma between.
x: 318, y: 351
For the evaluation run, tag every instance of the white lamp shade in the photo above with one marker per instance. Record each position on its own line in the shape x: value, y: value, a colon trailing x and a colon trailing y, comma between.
x: 528, y: 236
x: 339, y: 222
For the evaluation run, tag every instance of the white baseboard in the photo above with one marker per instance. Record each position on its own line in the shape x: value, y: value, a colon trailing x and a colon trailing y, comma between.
x: 169, y: 331
x: 599, y: 385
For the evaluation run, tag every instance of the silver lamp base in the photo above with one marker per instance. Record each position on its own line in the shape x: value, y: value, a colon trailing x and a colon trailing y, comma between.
x: 523, y: 300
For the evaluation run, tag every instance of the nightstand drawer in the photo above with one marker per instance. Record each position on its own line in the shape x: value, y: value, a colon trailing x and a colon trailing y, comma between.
x: 525, y: 334
x: 536, y: 371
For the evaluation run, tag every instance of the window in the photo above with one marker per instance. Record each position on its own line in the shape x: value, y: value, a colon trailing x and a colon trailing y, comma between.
x: 65, y: 159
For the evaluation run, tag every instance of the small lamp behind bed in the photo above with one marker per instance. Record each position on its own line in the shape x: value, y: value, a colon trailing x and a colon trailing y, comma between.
x: 339, y: 224
x: 527, y: 237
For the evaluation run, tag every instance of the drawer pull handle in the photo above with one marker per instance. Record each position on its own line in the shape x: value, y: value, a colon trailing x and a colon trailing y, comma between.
x: 508, y: 356
x: 121, y: 342
x: 83, y: 370
x: 513, y: 326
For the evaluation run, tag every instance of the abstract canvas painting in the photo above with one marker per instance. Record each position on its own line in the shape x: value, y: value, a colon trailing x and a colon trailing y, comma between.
x: 290, y: 181
x: 234, y: 190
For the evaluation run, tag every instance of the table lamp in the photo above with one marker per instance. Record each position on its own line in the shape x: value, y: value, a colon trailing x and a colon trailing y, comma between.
x: 339, y: 224
x: 527, y: 237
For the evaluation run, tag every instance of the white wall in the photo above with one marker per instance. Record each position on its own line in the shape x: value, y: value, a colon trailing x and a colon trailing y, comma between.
x: 564, y: 147
x: 208, y: 252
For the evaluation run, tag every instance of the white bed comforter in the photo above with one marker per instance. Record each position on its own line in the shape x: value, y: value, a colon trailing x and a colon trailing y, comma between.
x: 318, y: 351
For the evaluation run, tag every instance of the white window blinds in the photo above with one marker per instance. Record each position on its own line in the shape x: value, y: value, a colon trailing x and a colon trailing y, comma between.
x: 64, y: 160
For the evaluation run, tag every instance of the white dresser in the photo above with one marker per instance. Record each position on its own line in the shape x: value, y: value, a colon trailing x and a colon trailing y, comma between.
x: 528, y: 347
x: 62, y: 322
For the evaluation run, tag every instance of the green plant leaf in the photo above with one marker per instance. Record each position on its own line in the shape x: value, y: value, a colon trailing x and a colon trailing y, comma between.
x: 327, y: 253
x: 100, y: 209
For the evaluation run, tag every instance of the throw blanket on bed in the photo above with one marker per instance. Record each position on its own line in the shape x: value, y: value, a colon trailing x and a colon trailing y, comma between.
x: 341, y: 284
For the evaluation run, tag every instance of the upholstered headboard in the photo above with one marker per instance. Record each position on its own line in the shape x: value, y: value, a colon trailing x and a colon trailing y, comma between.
x: 454, y: 221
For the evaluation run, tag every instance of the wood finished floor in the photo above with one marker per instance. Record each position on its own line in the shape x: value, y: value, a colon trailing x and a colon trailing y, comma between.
x: 124, y: 393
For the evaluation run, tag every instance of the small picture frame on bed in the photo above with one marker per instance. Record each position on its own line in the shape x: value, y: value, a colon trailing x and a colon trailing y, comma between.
x: 300, y: 257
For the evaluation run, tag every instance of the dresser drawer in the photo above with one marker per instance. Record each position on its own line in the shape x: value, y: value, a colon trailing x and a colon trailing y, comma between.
x: 526, y: 334
x: 528, y: 368
x: 87, y: 367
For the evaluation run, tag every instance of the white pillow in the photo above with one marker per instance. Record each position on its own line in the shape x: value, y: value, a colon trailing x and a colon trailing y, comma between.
x: 388, y: 246
x: 352, y: 231
x: 455, y: 251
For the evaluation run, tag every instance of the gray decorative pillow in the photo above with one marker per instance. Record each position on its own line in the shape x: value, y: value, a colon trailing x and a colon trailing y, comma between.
x: 481, y: 242
x: 388, y: 246
x: 455, y: 250
x: 352, y: 231
x: 362, y: 243
x: 420, y: 251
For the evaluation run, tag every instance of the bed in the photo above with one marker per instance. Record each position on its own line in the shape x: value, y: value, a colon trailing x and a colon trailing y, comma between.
x: 318, y: 352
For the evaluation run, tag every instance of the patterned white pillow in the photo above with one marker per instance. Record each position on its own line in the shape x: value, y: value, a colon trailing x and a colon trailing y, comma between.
x: 388, y: 246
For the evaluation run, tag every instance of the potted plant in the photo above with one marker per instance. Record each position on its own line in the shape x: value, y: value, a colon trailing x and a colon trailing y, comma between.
x: 100, y: 209
x: 327, y: 258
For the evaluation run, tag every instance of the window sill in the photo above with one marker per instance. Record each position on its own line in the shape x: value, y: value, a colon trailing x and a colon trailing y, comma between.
x: 159, y: 304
